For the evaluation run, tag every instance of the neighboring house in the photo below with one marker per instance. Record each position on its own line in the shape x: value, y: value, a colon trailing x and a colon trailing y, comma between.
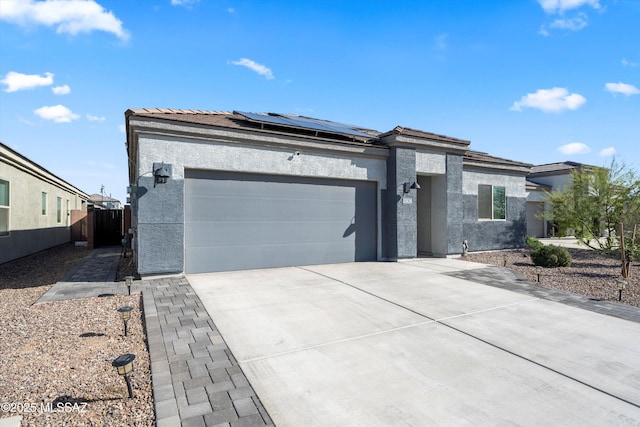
x: 103, y: 202
x: 215, y: 191
x: 546, y: 178
x: 35, y: 206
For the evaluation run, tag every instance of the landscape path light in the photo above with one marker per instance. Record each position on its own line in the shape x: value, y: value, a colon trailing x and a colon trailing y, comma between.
x: 125, y: 315
x: 128, y: 280
x: 621, y: 285
x: 124, y: 366
x: 539, y: 272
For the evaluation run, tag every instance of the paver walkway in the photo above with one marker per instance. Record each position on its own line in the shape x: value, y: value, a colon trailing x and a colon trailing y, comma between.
x: 196, y: 380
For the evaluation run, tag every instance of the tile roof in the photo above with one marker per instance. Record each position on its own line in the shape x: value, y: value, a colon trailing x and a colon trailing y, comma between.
x: 558, y: 167
x: 400, y: 130
x: 477, y: 156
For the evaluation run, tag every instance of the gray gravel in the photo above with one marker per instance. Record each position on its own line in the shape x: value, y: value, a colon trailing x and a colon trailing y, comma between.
x: 59, y: 354
x: 591, y: 274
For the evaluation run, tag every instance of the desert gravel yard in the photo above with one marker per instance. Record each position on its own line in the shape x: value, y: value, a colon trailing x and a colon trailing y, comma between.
x: 56, y: 356
x: 591, y: 274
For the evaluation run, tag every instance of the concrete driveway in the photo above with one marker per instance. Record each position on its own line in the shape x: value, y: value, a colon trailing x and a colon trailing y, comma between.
x: 401, y: 344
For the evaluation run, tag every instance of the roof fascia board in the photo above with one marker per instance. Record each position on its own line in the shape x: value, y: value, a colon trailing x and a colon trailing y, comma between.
x: 159, y: 127
x: 404, y: 141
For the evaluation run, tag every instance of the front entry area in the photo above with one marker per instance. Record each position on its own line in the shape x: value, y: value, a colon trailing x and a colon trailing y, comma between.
x: 237, y: 221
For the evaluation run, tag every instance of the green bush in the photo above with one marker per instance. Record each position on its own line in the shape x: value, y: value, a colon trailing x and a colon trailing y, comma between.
x: 551, y: 256
x: 533, y: 243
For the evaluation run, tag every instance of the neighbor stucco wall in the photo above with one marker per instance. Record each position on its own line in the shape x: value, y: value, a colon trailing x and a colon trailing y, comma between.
x: 165, y: 229
x: 494, y: 234
x: 29, y: 230
x: 431, y: 162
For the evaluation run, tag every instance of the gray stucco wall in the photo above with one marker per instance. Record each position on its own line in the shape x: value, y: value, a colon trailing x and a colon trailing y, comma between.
x: 160, y: 233
x: 401, y: 236
x: 494, y: 235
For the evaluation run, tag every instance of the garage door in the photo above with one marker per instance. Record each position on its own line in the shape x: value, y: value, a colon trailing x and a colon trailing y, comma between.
x: 535, y: 226
x: 236, y: 221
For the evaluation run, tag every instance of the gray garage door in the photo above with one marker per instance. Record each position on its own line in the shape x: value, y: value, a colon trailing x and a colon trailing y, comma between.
x: 236, y: 221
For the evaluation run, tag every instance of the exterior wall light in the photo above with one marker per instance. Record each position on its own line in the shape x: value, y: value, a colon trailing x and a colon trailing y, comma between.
x: 539, y: 272
x: 408, y: 186
x: 621, y: 285
x: 161, y: 173
x: 128, y: 280
x: 124, y: 366
x: 125, y: 315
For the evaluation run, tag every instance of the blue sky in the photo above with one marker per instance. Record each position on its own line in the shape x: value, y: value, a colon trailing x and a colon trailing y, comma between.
x: 537, y: 81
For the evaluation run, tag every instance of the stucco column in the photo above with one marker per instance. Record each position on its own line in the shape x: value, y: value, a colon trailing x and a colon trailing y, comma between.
x: 401, y: 227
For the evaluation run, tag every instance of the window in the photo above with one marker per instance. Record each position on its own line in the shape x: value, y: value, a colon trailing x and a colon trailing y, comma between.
x: 4, y: 208
x: 58, y: 209
x: 44, y: 203
x: 492, y: 202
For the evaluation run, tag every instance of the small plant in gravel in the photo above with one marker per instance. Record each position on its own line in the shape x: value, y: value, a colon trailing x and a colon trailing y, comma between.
x: 551, y: 256
x: 533, y: 243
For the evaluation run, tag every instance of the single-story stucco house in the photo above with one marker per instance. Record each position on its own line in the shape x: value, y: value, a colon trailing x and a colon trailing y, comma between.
x: 35, y: 206
x: 216, y: 191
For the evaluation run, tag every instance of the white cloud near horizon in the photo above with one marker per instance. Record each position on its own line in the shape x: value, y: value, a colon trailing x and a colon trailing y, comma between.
x: 574, y: 148
x: 254, y: 66
x: 560, y: 6
x: 607, y: 152
x: 18, y: 81
x: 61, y: 90
x: 623, y: 88
x: 56, y: 113
x: 552, y: 100
x: 70, y: 16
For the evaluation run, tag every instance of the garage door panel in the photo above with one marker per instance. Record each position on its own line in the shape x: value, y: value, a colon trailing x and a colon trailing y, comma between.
x: 248, y: 209
x: 240, y: 221
x: 234, y: 233
x: 266, y: 256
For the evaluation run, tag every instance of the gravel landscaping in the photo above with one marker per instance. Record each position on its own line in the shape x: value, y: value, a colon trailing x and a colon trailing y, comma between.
x: 591, y: 274
x: 56, y: 356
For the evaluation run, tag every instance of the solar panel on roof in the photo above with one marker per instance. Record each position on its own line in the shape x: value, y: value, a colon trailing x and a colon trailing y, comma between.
x: 304, y: 123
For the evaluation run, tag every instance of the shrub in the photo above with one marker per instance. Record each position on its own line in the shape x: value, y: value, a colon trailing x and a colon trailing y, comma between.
x: 551, y: 256
x: 533, y: 243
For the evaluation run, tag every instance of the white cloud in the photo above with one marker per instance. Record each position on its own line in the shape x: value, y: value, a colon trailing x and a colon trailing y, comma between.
x: 70, y: 16
x: 254, y: 66
x: 573, y: 24
x: 183, y: 2
x: 623, y: 88
x: 18, y: 81
x: 231, y: 10
x: 61, y: 90
x: 626, y: 63
x: 607, y: 152
x: 441, y: 42
x: 96, y: 118
x: 550, y: 100
x: 57, y: 113
x: 574, y: 148
x: 559, y: 6
x: 122, y: 128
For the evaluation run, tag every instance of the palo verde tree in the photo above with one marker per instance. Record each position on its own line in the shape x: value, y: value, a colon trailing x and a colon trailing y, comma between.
x: 602, y: 206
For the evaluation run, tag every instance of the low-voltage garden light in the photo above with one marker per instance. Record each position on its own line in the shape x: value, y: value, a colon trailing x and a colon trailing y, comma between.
x: 128, y: 280
x: 539, y: 272
x: 124, y: 366
x: 621, y: 285
x: 125, y: 315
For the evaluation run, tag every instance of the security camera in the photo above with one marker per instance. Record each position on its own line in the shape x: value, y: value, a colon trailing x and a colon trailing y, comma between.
x: 297, y: 153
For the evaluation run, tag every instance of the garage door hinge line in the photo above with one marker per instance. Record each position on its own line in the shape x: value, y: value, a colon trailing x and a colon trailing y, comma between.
x: 441, y: 322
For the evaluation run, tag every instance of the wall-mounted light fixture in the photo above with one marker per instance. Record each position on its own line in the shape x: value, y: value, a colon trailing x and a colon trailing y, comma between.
x: 408, y: 186
x: 161, y: 173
